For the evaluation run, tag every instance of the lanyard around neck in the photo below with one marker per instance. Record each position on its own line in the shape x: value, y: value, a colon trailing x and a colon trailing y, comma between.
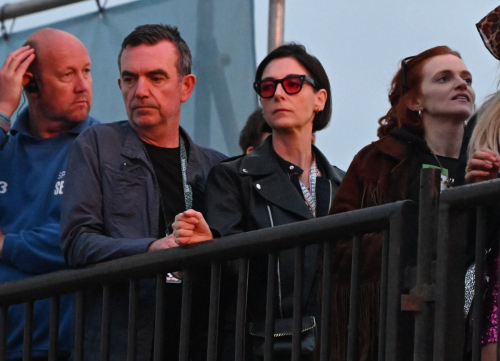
x: 188, y: 190
x: 310, y: 194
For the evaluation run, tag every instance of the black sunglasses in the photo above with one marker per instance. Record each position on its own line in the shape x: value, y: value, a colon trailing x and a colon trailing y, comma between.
x: 403, y: 73
x: 292, y: 84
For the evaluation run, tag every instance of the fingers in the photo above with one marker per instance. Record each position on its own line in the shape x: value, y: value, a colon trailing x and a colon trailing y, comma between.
x: 19, y: 60
x: 483, y: 165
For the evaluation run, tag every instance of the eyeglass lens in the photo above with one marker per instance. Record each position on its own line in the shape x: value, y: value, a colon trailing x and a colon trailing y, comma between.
x: 291, y: 85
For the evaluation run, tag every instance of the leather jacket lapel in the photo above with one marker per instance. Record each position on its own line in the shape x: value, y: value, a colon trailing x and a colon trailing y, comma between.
x: 279, y: 190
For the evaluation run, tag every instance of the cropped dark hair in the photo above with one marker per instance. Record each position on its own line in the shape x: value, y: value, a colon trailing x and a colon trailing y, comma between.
x: 251, y: 134
x: 152, y: 34
x: 316, y: 71
x: 399, y: 115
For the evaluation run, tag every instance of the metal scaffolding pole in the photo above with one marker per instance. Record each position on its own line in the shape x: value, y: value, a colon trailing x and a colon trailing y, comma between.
x: 276, y: 24
x: 12, y: 11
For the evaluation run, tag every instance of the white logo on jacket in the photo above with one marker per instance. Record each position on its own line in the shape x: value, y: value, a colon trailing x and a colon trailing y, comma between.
x: 60, y: 183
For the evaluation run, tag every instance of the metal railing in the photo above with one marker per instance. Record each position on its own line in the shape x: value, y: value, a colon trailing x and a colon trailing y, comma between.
x: 394, y: 220
x: 423, y: 295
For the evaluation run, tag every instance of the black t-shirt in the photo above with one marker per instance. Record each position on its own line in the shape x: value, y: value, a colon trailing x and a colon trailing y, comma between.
x: 167, y: 167
x: 420, y: 156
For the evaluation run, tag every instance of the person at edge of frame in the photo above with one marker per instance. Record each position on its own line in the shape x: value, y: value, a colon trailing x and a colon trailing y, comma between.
x: 54, y: 68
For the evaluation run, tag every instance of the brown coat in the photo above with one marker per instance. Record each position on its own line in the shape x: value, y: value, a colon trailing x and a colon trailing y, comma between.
x: 377, y: 175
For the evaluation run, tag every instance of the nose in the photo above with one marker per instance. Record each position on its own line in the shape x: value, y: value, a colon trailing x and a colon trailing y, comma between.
x: 280, y: 92
x: 83, y: 83
x: 141, y: 89
x: 462, y: 84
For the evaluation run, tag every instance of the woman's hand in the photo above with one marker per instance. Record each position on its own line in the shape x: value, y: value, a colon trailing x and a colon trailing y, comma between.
x: 483, y: 165
x: 190, y: 227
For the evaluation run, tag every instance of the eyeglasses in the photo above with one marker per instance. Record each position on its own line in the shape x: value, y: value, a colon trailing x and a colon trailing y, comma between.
x: 292, y: 84
x: 403, y: 73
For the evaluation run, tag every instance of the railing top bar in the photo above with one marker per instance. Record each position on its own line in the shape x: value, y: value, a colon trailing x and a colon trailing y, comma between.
x: 472, y: 194
x: 223, y: 249
x: 15, y: 10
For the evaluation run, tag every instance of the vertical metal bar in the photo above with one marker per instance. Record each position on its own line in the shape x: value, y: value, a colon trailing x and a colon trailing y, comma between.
x: 326, y: 301
x: 353, y: 331
x: 3, y: 332
x: 241, y: 309
x: 271, y: 292
x: 450, y: 271
x: 53, y: 328
x: 383, y: 296
x: 298, y: 290
x: 477, y: 318
x: 158, y: 347
x: 105, y: 322
x: 79, y: 325
x: 133, y: 300
x: 28, y: 331
x: 403, y: 226
x: 276, y: 24
x: 213, y: 316
x: 187, y: 296
x: 430, y: 180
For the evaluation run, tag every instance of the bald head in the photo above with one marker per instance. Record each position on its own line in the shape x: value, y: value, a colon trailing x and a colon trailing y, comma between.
x: 60, y: 85
x: 48, y: 43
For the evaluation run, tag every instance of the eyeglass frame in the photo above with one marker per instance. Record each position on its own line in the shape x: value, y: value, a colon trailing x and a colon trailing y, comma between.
x: 303, y: 78
x: 403, y: 73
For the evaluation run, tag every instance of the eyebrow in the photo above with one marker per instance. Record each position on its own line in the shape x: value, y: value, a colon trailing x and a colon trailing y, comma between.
x: 158, y: 72
x: 149, y: 73
x: 447, y: 71
x: 128, y: 73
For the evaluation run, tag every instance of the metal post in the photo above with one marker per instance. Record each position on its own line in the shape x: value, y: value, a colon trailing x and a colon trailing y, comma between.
x: 276, y: 24
x: 14, y: 10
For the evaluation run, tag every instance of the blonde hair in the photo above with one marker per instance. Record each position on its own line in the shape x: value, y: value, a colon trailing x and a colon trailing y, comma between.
x: 486, y: 134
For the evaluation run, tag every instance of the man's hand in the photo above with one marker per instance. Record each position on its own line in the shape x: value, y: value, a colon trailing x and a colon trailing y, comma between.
x: 483, y: 165
x: 11, y: 78
x: 190, y: 227
x: 162, y: 243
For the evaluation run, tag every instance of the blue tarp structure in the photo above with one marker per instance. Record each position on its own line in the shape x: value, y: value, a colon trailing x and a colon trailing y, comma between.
x: 220, y: 34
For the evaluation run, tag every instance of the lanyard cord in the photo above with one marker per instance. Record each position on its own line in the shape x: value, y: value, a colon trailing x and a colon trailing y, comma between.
x: 310, y: 195
x: 188, y: 191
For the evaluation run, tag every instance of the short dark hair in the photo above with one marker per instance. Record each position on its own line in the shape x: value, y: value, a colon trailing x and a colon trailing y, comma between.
x: 251, y: 134
x: 316, y: 71
x: 152, y: 34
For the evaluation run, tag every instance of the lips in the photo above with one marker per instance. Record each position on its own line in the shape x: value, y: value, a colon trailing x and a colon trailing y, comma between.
x: 461, y: 96
x: 280, y: 110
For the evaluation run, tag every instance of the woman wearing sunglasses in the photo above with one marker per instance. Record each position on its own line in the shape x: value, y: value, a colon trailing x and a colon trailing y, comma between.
x: 431, y: 97
x: 284, y: 180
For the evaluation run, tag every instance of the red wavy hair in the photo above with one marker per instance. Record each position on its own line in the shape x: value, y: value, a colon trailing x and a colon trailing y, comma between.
x: 399, y: 115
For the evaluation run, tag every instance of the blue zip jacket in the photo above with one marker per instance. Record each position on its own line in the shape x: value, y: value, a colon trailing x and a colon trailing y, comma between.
x: 32, y: 175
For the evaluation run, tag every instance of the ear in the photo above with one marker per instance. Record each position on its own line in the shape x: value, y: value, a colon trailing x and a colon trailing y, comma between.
x: 188, y: 83
x: 120, y: 83
x: 26, y: 78
x: 414, y: 103
x: 321, y: 96
x: 250, y: 149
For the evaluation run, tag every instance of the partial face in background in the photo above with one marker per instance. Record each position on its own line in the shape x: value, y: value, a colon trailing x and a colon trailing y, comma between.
x: 152, y: 89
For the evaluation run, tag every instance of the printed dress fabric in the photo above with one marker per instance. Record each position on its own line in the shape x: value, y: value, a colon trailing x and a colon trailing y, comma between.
x: 490, y: 334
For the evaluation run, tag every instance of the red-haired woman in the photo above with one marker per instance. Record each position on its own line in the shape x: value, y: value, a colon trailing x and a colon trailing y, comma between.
x: 431, y: 97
